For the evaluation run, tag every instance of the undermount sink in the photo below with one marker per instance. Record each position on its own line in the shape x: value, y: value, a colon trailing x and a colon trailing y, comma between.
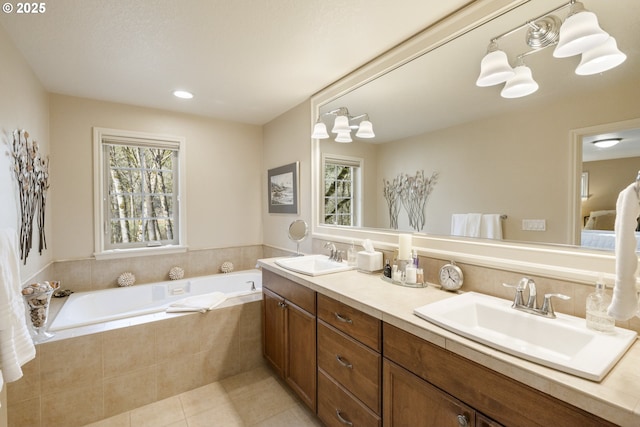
x: 563, y: 343
x: 313, y: 265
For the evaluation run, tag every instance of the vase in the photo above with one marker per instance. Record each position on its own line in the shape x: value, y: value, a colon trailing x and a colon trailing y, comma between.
x: 37, y: 305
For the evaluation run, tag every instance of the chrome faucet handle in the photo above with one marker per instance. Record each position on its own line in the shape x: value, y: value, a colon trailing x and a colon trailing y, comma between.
x: 518, y: 299
x: 532, y: 302
x: 547, y: 306
x: 332, y: 248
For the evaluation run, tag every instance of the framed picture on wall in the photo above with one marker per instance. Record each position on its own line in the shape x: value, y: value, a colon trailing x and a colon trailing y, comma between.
x: 282, y: 191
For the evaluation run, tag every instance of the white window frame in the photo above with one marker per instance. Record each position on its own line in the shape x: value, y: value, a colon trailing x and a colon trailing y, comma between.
x: 357, y: 195
x: 103, y: 136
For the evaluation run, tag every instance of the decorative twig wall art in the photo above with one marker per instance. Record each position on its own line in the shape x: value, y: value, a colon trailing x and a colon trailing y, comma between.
x: 391, y: 191
x: 413, y: 192
x: 32, y: 176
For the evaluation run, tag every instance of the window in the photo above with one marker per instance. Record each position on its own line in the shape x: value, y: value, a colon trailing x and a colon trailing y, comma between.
x: 342, y: 177
x: 139, y: 198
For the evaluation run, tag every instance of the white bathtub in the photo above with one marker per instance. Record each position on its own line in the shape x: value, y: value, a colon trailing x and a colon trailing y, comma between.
x: 88, y: 308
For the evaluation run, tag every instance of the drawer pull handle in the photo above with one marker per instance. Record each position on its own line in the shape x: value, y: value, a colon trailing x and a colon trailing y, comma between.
x: 343, y: 362
x: 463, y: 421
x: 342, y: 419
x: 282, y: 304
x: 343, y: 319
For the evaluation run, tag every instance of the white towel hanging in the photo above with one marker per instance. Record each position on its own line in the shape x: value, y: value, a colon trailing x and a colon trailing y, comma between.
x: 16, y: 345
x: 624, y: 304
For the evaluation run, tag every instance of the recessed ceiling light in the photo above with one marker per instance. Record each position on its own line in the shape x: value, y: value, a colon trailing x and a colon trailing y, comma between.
x: 606, y: 143
x: 183, y: 94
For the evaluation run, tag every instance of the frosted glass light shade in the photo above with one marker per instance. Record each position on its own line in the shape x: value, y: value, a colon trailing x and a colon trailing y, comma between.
x: 341, y: 125
x: 607, y: 143
x: 601, y: 58
x: 494, y: 69
x: 365, y: 130
x: 579, y: 33
x: 344, y: 137
x: 320, y: 131
x: 522, y: 84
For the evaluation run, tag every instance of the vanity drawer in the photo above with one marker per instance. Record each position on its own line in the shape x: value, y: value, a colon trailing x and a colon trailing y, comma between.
x: 353, y: 365
x: 304, y: 298
x: 353, y: 322
x: 337, y: 407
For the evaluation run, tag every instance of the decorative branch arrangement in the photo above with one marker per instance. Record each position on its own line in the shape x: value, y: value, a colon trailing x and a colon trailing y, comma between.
x: 32, y: 176
x: 391, y: 191
x: 413, y: 192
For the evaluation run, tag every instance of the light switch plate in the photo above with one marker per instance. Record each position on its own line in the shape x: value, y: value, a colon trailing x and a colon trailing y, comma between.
x: 534, y: 225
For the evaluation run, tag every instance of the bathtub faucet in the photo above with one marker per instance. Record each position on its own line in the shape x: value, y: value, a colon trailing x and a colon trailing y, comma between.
x: 253, y: 285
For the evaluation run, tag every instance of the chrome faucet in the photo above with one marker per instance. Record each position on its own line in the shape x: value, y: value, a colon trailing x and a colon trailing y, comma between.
x: 335, y: 254
x: 532, y: 304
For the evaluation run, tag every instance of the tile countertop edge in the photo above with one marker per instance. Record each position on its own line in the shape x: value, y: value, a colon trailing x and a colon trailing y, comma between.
x: 609, y: 399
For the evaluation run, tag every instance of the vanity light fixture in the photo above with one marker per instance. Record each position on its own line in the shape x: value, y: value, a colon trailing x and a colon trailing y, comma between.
x: 521, y: 84
x: 182, y: 94
x: 343, y: 124
x: 579, y: 34
x: 606, y: 143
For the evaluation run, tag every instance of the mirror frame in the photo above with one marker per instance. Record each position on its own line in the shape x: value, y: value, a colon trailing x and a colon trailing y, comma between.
x: 555, y: 261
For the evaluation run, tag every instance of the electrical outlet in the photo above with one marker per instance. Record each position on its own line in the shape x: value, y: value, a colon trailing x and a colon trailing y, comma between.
x: 534, y: 225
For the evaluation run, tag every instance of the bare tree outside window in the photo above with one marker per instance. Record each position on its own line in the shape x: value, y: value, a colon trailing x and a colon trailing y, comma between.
x: 341, y: 189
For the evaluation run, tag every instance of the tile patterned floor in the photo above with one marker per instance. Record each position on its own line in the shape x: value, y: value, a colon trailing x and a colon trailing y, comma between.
x: 255, y: 398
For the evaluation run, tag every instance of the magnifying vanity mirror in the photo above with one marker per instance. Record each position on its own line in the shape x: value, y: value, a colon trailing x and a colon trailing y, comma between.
x: 520, y: 158
x: 298, y: 231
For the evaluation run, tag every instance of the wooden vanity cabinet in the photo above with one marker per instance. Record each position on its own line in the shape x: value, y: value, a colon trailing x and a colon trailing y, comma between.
x: 349, y: 365
x: 289, y: 333
x: 411, y: 401
x: 419, y: 370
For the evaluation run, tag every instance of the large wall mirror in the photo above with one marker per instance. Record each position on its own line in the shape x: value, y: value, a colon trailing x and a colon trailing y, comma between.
x: 517, y: 159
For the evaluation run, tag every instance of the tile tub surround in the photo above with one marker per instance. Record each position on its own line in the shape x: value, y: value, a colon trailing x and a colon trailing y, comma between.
x: 616, y: 398
x: 77, y: 381
x: 90, y: 274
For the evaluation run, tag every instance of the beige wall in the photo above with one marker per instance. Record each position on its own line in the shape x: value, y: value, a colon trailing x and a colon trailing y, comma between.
x: 223, y: 173
x: 23, y: 105
x: 606, y: 179
x: 287, y: 139
x: 516, y: 164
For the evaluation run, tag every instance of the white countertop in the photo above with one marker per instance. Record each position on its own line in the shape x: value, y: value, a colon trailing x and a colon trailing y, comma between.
x: 616, y: 398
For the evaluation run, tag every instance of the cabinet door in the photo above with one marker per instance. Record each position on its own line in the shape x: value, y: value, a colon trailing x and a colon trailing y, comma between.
x: 300, y: 372
x: 412, y: 402
x: 273, y: 324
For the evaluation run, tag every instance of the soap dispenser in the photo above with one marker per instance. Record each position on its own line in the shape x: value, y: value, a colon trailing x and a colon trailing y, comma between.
x: 597, y: 304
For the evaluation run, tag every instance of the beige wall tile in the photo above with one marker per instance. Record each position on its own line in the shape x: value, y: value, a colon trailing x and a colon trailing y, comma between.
x: 129, y: 391
x: 25, y: 413
x: 70, y: 364
x: 120, y: 344
x: 72, y: 408
x: 176, y: 336
x: 27, y: 387
x: 74, y: 275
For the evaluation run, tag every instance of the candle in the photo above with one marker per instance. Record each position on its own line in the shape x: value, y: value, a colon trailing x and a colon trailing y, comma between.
x: 404, y: 251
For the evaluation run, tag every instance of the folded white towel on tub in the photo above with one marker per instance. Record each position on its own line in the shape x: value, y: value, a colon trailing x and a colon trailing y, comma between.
x: 624, y: 304
x: 201, y: 303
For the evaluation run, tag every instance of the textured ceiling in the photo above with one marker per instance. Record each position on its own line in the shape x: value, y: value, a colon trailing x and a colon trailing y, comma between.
x: 245, y: 60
